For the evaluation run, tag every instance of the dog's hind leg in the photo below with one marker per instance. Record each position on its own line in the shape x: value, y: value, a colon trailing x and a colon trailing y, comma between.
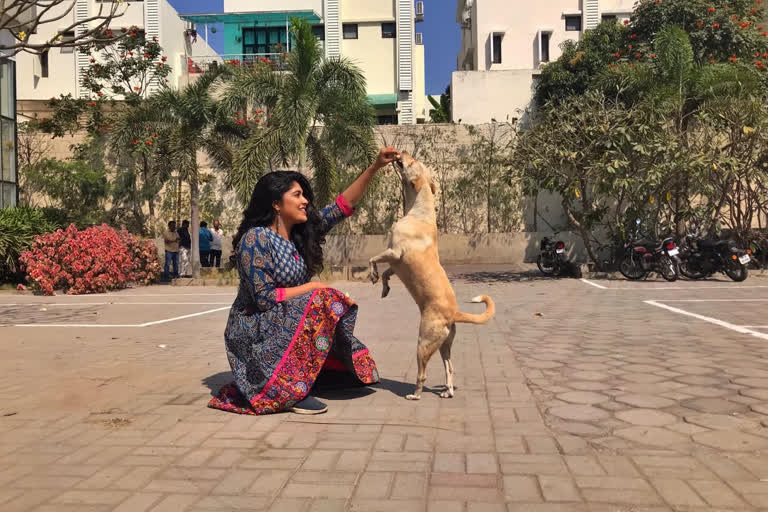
x: 385, y: 281
x: 445, y: 352
x: 430, y: 339
x: 388, y: 256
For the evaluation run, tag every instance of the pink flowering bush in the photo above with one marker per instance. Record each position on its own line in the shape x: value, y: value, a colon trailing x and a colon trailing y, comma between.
x: 94, y: 260
x: 143, y: 253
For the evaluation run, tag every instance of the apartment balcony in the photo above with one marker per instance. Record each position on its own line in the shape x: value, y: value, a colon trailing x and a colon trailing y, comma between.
x: 197, y: 65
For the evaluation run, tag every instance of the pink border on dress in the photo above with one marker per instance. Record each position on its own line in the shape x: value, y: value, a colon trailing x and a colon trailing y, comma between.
x: 360, y: 353
x: 344, y: 206
x: 276, y: 372
x: 279, y: 294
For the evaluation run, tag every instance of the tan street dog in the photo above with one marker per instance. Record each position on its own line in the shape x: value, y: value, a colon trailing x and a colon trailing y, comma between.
x: 412, y: 255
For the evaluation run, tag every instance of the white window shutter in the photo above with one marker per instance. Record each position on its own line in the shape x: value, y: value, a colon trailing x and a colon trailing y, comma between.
x: 405, y: 37
x: 152, y: 29
x: 332, y: 28
x: 591, y: 14
x: 82, y: 60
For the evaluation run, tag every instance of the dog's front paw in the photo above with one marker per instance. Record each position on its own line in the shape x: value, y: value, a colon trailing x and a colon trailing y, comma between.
x: 448, y: 393
x: 413, y: 397
x: 373, y: 277
x: 384, y: 291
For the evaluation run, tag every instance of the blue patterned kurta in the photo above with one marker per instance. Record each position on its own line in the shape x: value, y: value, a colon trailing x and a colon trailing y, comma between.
x: 262, y: 326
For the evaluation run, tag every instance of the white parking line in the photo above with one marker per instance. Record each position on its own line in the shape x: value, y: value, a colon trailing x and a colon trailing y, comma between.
x: 715, y: 300
x: 72, y: 304
x: 125, y: 294
x: 146, y: 324
x: 738, y: 328
x: 672, y: 287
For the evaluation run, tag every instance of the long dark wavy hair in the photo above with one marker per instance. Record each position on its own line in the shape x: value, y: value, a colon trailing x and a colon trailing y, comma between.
x: 307, y: 237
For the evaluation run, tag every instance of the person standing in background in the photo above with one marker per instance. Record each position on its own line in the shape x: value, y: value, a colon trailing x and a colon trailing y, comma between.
x: 218, y: 234
x: 205, y: 244
x: 171, y: 239
x: 185, y: 245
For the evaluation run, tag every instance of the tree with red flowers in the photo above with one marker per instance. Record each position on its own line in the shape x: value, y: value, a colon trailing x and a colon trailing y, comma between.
x: 718, y: 29
x: 119, y: 79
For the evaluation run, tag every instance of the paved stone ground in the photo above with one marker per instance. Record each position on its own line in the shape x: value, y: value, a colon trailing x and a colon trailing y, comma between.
x: 576, y: 397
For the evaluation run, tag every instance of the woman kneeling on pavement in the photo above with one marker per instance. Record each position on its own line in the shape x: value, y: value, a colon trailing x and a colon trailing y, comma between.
x: 283, y: 329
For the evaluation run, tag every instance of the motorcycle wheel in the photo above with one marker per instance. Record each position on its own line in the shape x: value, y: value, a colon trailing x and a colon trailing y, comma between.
x: 545, y: 267
x: 631, y: 268
x: 691, y: 270
x: 736, y: 271
x: 668, y: 268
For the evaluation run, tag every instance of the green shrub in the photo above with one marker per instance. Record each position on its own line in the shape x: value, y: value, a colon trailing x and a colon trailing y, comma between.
x: 18, y: 228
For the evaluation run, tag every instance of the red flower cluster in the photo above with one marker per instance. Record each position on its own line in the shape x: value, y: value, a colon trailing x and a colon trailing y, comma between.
x: 93, y: 260
x: 143, y: 253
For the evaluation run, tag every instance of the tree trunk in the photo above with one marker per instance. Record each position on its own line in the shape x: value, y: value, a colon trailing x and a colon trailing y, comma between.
x: 145, y: 177
x: 194, y: 228
x: 179, y: 184
x: 584, y: 237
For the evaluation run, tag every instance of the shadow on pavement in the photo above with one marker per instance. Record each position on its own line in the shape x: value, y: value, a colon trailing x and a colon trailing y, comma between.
x: 216, y: 381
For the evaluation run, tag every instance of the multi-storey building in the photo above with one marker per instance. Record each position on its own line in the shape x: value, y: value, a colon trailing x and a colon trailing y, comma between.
x: 9, y: 190
x: 378, y: 35
x: 59, y: 71
x: 504, y: 45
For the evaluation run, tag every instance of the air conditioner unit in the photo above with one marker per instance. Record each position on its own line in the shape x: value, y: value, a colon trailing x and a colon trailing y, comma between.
x: 419, y: 38
x: 419, y: 11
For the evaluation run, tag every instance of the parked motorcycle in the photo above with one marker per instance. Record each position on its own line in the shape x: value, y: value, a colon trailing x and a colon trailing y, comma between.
x: 701, y: 258
x: 643, y: 256
x: 552, y: 260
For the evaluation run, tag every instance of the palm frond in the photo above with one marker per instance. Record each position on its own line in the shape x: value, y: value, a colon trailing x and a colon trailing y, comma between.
x: 675, y: 53
x: 339, y: 73
x: 251, y: 85
x: 727, y: 79
x: 324, y: 177
x: 303, y: 61
x: 251, y: 159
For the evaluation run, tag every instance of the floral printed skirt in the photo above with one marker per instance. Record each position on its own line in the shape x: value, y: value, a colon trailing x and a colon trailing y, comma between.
x: 277, y: 355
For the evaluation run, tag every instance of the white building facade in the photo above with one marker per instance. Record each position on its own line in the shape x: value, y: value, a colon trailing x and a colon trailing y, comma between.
x: 9, y: 179
x: 60, y: 70
x: 379, y: 36
x: 504, y: 45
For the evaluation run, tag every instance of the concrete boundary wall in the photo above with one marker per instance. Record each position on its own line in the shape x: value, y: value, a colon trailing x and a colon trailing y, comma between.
x: 494, y: 248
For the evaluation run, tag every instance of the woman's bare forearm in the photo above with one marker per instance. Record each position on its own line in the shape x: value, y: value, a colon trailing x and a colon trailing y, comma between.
x: 295, y: 291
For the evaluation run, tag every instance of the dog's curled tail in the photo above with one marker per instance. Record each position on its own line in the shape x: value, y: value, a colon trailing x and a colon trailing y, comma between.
x: 490, y: 310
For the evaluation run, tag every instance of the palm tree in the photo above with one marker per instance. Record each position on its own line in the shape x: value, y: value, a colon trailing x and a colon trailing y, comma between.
x: 187, y: 121
x: 315, y: 111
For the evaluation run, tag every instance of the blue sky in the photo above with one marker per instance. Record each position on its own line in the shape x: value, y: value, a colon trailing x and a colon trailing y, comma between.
x: 441, y: 36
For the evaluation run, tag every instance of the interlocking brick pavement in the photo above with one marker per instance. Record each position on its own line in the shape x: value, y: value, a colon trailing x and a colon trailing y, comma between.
x: 574, y: 398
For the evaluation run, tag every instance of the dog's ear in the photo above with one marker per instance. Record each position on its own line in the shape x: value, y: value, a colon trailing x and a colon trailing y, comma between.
x: 417, y: 183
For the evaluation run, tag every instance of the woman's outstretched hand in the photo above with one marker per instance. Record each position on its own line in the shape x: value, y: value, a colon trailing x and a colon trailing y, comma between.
x: 386, y: 156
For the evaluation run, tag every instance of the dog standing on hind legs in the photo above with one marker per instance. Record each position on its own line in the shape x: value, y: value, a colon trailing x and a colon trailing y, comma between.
x: 412, y: 255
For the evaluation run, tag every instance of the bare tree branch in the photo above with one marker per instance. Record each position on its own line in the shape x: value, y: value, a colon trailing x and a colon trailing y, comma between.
x: 23, y: 18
